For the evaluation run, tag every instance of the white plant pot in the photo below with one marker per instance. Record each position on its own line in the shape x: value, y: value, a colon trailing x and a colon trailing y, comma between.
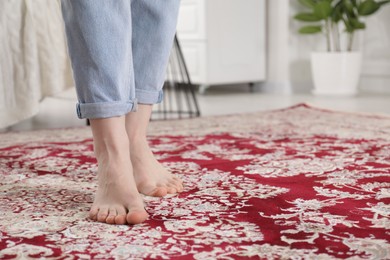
x: 336, y: 73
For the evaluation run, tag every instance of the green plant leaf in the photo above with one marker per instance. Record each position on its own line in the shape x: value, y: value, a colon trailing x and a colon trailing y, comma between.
x: 311, y: 29
x: 307, y: 17
x: 368, y: 7
x: 323, y: 9
x: 357, y: 25
x: 337, y: 13
x: 347, y: 24
x: 307, y: 3
x: 348, y: 27
x: 348, y: 5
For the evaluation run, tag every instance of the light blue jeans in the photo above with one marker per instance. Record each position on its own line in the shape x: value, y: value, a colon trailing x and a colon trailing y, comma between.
x: 119, y: 50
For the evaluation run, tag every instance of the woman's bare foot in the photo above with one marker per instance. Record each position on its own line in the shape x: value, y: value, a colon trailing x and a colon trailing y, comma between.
x: 117, y: 200
x: 151, y: 177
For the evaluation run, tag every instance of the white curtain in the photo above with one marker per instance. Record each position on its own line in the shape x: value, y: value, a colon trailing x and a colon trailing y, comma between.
x: 33, y: 57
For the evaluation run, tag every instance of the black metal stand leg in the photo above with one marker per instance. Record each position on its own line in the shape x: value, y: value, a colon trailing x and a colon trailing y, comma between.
x: 179, y: 94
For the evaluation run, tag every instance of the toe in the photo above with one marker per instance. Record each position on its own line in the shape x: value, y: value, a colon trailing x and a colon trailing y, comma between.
x: 176, y: 178
x: 93, y: 213
x: 111, y: 216
x: 159, y: 192
x: 152, y: 190
x: 180, y: 187
x: 102, y: 214
x: 171, y: 190
x: 136, y: 217
x: 177, y: 185
x: 120, y: 219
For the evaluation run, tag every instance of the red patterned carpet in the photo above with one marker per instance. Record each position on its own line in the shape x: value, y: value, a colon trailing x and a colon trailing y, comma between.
x: 298, y: 183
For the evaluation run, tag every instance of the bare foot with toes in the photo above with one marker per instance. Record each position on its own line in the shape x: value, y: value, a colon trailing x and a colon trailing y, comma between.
x: 151, y: 177
x: 117, y: 200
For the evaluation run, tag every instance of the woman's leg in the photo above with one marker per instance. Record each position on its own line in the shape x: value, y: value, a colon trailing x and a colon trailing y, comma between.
x: 99, y: 41
x: 154, y: 26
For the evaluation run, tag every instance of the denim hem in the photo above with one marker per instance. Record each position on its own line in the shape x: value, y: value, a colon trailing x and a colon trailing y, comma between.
x: 105, y: 109
x: 148, y: 97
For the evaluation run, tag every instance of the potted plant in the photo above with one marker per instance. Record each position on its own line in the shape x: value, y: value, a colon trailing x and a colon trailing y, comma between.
x: 336, y: 71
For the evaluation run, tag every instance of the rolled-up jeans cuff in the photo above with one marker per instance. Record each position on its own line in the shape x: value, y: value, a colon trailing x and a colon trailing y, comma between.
x: 105, y: 109
x: 148, y: 97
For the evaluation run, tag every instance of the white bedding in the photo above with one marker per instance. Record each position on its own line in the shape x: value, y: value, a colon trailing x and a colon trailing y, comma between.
x: 33, y: 57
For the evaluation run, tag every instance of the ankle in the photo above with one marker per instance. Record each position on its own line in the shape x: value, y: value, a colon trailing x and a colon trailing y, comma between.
x: 137, y: 138
x: 138, y: 145
x: 110, y: 149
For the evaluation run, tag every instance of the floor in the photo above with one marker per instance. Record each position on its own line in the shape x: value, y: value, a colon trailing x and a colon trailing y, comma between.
x: 59, y: 112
